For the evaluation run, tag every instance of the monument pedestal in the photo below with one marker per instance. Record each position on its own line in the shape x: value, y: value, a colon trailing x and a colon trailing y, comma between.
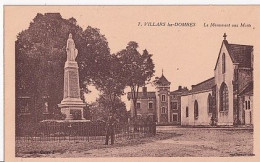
x: 69, y: 108
x: 72, y: 105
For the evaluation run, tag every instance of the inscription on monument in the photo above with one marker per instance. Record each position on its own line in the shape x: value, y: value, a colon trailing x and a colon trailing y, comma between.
x: 74, y: 86
x: 71, y: 99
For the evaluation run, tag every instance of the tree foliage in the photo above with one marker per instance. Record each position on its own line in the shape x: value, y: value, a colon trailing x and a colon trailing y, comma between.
x: 94, y: 57
x: 101, y: 109
x: 137, y: 69
x: 41, y: 54
x: 112, y: 83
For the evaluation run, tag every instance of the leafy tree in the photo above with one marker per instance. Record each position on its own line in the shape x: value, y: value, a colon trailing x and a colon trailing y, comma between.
x: 119, y: 108
x: 137, y: 69
x: 112, y: 86
x: 94, y: 59
x: 41, y: 53
x: 40, y: 56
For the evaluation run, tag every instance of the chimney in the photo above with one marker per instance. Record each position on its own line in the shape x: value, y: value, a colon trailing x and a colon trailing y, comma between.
x: 145, y: 91
x: 180, y: 88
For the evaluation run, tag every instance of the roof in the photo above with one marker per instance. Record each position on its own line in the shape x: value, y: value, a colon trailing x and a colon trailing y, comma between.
x: 202, y: 86
x: 162, y: 81
x: 178, y: 91
x: 248, y: 90
x: 141, y: 95
x: 240, y: 54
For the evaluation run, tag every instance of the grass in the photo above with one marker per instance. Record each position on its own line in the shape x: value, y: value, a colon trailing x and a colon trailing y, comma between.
x: 46, y: 148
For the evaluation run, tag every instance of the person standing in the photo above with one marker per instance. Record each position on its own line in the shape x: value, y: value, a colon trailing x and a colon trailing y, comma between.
x: 110, y: 129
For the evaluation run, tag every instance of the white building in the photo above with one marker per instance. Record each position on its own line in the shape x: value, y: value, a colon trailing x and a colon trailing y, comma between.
x: 226, y: 98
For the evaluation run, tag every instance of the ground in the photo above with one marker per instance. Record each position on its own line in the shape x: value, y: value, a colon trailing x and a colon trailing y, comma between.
x: 169, y: 142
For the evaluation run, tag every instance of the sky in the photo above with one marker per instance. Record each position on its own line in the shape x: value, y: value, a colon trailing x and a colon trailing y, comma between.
x: 187, y: 55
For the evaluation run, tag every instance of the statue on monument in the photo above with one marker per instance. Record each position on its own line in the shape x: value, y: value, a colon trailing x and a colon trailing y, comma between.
x: 71, y: 105
x: 72, y: 52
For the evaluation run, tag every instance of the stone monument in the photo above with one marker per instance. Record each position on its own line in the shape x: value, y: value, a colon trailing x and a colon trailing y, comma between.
x: 71, y: 105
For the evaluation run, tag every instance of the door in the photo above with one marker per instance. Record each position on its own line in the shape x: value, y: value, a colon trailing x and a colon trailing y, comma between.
x: 248, y: 117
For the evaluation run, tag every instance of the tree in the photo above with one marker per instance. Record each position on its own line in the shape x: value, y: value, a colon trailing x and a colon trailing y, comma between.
x: 40, y: 56
x: 41, y: 53
x: 137, y: 69
x: 112, y: 84
x: 94, y: 59
x: 119, y: 108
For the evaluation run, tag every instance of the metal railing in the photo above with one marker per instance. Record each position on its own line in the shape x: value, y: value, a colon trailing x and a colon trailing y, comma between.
x: 74, y: 131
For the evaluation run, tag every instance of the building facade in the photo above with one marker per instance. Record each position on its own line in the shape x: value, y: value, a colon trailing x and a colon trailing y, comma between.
x: 226, y: 98
x: 163, y: 106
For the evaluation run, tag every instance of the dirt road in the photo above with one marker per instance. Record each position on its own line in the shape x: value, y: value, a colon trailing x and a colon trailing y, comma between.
x: 183, y: 142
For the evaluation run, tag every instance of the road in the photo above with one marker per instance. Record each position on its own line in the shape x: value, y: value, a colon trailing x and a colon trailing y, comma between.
x: 182, y: 142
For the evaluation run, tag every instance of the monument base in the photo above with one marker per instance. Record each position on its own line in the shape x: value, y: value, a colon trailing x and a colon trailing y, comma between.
x: 72, y: 108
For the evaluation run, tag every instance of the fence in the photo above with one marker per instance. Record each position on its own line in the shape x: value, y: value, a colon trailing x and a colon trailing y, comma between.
x: 73, y: 131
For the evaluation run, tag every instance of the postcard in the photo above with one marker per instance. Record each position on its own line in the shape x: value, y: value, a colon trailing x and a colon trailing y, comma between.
x: 87, y: 83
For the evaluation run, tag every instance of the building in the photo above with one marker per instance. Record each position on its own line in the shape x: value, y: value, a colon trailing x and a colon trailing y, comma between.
x: 162, y: 105
x: 226, y: 98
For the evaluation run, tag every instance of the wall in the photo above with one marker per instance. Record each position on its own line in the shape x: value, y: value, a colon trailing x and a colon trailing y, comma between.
x: 249, y: 112
x: 176, y: 98
x: 162, y: 118
x: 224, y: 118
x: 188, y: 100
x: 244, y: 77
x: 144, y: 109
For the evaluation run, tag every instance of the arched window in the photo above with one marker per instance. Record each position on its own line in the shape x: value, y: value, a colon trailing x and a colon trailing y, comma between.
x: 210, y: 106
x: 139, y: 116
x: 163, y: 110
x: 196, y: 110
x: 223, y: 63
x: 223, y: 97
x: 163, y: 98
x: 187, y: 111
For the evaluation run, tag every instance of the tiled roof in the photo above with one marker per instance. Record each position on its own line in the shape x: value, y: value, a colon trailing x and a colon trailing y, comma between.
x: 248, y: 90
x: 205, y: 85
x: 142, y: 96
x: 240, y: 54
x: 178, y: 91
x: 163, y: 81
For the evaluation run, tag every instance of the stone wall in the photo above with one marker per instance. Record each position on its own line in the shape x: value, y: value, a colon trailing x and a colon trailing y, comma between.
x: 163, y: 118
x: 176, y: 99
x: 188, y: 101
x: 144, y: 109
x: 224, y: 118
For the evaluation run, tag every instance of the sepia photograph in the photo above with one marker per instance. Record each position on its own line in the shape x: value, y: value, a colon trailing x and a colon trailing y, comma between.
x: 130, y: 81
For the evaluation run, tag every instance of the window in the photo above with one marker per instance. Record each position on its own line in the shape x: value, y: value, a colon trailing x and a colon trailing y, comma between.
x: 24, y: 104
x: 163, y: 110
x: 187, y: 111
x: 150, y: 105
x: 163, y: 98
x: 223, y: 97
x: 174, y: 117
x: 139, y: 116
x: 196, y: 110
x: 248, y: 107
x: 173, y: 97
x: 24, y: 108
x: 174, y: 105
x: 138, y: 105
x: 246, y: 104
x: 151, y: 117
x: 223, y: 63
x: 210, y: 105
